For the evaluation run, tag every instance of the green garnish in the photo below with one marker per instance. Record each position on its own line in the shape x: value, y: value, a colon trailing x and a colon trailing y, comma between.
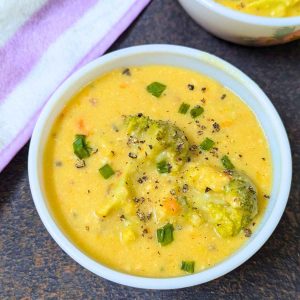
x: 188, y: 266
x: 106, y: 171
x: 165, y: 234
x: 81, y: 147
x: 183, y: 109
x: 227, y: 163
x: 196, y: 111
x: 163, y: 167
x: 156, y: 88
x: 207, y: 144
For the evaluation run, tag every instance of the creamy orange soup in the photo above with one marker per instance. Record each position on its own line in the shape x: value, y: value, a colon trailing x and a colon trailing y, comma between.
x: 157, y: 171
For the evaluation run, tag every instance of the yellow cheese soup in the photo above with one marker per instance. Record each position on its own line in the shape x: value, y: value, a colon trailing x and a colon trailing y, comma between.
x: 267, y: 8
x: 157, y: 171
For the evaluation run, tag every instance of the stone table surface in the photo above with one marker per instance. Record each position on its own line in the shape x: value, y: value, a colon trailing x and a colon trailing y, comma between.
x: 32, y: 266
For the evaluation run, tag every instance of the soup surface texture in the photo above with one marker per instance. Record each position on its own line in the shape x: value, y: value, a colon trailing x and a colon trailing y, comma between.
x: 267, y: 8
x: 157, y: 171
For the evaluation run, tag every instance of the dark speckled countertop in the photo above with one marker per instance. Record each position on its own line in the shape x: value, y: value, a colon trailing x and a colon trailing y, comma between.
x: 32, y: 266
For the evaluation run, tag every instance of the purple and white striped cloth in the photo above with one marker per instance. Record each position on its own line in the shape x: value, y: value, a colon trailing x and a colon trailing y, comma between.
x: 41, y: 43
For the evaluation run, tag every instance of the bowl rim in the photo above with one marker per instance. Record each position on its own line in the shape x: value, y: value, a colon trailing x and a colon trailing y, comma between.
x: 248, y: 18
x: 214, y: 272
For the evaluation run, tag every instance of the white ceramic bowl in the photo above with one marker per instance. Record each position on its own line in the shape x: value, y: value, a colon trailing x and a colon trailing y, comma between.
x: 201, y: 62
x: 241, y: 28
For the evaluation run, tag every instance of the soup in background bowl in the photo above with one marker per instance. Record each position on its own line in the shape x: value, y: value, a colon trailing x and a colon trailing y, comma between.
x: 266, y: 8
x: 154, y: 162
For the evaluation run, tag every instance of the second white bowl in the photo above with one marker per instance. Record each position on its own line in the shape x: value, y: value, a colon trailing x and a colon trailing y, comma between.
x: 242, y: 28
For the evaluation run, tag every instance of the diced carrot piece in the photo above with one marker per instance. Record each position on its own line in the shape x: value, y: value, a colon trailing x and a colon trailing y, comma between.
x: 123, y: 85
x: 82, y: 127
x: 172, y: 206
x: 81, y: 124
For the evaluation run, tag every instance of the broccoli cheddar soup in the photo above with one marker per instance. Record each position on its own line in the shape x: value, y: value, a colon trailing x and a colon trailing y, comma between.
x: 267, y: 8
x: 157, y: 171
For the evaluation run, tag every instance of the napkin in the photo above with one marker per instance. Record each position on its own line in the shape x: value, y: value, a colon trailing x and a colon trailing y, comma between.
x: 42, y: 42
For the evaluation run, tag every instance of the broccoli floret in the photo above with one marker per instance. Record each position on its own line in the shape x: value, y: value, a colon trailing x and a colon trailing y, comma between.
x: 164, y: 142
x: 243, y: 193
x: 167, y: 141
x: 226, y: 220
x: 230, y: 202
x: 240, y: 205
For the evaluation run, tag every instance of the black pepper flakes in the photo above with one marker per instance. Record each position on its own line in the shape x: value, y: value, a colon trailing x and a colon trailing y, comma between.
x: 223, y: 96
x: 216, y: 127
x: 132, y: 140
x: 139, y: 200
x: 58, y: 163
x: 266, y: 196
x: 179, y: 147
x: 203, y: 89
x: 251, y: 190
x: 207, y: 189
x: 132, y: 155
x: 140, y: 215
x: 94, y: 150
x: 126, y: 72
x: 173, y: 192
x: 185, y: 188
x: 190, y: 87
x: 228, y: 172
x: 115, y: 128
x: 247, y: 232
x: 193, y: 148
x: 145, y: 231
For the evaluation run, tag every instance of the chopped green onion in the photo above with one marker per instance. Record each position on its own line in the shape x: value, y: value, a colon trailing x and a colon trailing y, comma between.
x: 106, y: 171
x: 165, y: 234
x: 188, y: 266
x: 227, y: 163
x: 207, y: 144
x: 163, y: 167
x: 156, y: 88
x: 196, y: 111
x: 184, y: 107
x: 80, y: 146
